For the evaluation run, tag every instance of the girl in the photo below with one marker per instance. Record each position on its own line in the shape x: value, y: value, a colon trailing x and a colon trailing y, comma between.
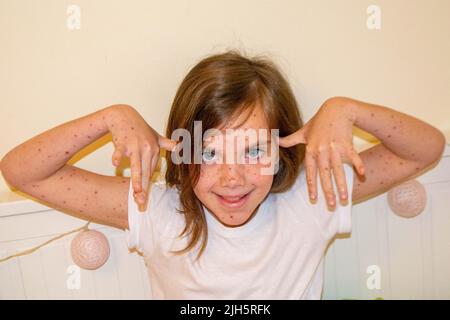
x: 222, y: 229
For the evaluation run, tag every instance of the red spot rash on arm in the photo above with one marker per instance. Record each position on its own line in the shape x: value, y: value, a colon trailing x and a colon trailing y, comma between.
x: 404, y: 135
x: 408, y: 146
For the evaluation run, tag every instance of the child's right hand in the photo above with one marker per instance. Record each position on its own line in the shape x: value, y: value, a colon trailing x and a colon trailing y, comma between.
x: 134, y: 138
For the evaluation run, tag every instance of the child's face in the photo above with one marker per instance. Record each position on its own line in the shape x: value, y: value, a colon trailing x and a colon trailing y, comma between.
x: 233, y: 190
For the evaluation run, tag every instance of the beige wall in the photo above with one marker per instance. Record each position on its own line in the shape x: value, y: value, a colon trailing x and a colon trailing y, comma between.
x: 137, y: 52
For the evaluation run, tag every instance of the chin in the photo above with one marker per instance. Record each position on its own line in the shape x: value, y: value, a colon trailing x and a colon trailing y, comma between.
x: 234, y: 219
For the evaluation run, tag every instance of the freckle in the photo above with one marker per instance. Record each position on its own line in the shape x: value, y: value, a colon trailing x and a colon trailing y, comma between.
x: 372, y: 115
x: 67, y: 152
x: 371, y: 171
x: 112, y: 125
x: 74, y: 146
x: 392, y: 117
x: 125, y: 137
x: 39, y: 149
x: 124, y: 181
x: 231, y: 217
x: 95, y: 191
x: 401, y: 163
x: 394, y: 128
x: 85, y: 180
x: 81, y: 211
x: 49, y: 157
x: 389, y: 136
x: 254, y: 114
x: 381, y: 182
x: 42, y: 196
x: 89, y: 137
x: 114, y: 209
x: 68, y: 189
x: 417, y: 168
x: 33, y: 185
x: 132, y: 128
x: 90, y: 124
x: 60, y: 178
x: 85, y: 204
x: 64, y: 201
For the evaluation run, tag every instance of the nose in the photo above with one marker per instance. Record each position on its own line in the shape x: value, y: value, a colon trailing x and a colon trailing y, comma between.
x: 232, y: 175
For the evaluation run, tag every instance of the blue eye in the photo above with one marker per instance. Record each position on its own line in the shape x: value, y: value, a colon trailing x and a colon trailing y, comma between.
x: 255, y: 153
x: 208, y: 155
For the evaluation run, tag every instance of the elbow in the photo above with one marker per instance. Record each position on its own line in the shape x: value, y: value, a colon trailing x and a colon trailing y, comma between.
x: 440, y: 144
x: 436, y: 149
x: 6, y: 169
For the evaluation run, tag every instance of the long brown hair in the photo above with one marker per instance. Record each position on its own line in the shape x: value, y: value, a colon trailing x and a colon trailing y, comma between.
x: 215, y: 90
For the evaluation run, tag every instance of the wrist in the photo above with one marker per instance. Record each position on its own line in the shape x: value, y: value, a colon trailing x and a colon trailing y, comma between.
x: 348, y: 106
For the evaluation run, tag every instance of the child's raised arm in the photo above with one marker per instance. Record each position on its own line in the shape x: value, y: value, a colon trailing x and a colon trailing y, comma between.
x: 38, y: 167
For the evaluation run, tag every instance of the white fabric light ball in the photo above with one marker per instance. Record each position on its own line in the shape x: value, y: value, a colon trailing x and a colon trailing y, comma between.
x: 90, y: 249
x: 408, y: 199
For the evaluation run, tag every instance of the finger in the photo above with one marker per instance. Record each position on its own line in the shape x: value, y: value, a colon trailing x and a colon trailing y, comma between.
x: 339, y: 173
x: 293, y: 139
x: 143, y: 197
x: 311, y: 175
x: 117, y: 155
x: 357, y: 161
x: 146, y: 176
x: 135, y: 163
x: 325, y: 177
x: 166, y: 143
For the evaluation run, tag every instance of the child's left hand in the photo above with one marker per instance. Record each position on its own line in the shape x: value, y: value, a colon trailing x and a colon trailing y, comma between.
x: 329, y: 143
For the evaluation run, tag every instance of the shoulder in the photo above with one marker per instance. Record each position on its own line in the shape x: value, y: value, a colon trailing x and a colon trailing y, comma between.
x: 296, y: 202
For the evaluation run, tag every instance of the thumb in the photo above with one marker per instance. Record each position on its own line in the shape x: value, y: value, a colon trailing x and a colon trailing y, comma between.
x: 293, y: 139
x: 166, y: 143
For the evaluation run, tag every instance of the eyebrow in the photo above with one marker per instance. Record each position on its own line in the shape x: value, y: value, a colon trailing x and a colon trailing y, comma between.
x: 259, y: 142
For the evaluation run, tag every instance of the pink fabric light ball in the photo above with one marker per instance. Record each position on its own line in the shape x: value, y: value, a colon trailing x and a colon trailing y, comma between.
x: 90, y: 249
x: 408, y: 199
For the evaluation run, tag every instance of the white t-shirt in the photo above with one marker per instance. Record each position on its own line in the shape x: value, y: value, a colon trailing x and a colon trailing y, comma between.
x: 278, y: 254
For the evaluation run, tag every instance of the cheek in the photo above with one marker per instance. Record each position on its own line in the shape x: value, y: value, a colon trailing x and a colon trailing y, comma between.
x: 254, y: 176
x: 206, y: 179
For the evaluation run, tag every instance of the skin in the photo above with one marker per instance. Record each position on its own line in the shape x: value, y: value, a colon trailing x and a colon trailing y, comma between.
x: 408, y: 147
x: 234, y: 178
x: 38, y: 167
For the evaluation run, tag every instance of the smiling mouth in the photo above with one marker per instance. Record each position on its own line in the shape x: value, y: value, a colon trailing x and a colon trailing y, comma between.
x: 233, y: 201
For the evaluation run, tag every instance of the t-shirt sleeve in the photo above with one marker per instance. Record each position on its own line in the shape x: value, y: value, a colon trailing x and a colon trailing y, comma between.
x: 143, y: 231
x: 331, y: 222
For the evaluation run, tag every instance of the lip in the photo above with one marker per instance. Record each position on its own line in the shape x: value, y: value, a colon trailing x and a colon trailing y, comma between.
x: 235, y: 201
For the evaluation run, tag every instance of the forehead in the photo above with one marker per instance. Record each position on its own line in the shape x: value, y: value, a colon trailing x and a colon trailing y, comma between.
x: 251, y: 124
x: 251, y: 118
